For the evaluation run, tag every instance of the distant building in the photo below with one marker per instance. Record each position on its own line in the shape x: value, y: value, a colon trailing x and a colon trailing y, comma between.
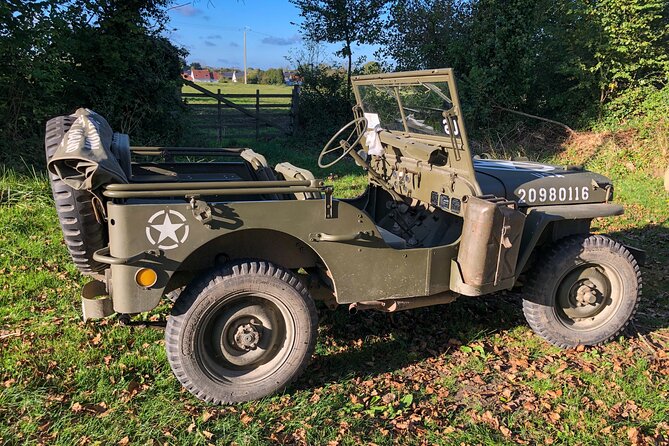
x: 208, y: 75
x: 229, y: 75
x: 202, y: 76
x: 291, y: 78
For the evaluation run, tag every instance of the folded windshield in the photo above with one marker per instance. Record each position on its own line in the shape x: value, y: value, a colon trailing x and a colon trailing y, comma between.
x: 419, y: 107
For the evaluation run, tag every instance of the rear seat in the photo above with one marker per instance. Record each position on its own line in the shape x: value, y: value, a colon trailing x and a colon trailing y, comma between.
x: 262, y: 169
x: 290, y: 172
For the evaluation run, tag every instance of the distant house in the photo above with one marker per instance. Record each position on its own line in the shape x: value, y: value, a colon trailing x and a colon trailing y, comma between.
x: 202, y: 75
x: 229, y: 75
x: 291, y: 78
x: 208, y: 75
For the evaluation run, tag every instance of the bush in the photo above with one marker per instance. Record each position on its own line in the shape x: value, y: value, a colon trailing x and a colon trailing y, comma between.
x: 56, y: 59
x: 324, y: 103
x: 273, y: 76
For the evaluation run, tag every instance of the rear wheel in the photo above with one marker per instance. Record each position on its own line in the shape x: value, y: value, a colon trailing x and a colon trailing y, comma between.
x: 585, y: 291
x: 243, y: 332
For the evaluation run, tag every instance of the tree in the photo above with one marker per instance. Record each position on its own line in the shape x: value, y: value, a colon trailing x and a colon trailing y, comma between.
x: 342, y: 21
x: 372, y: 67
x: 196, y: 65
x: 253, y: 75
x: 560, y: 59
x: 273, y: 76
x: 108, y: 55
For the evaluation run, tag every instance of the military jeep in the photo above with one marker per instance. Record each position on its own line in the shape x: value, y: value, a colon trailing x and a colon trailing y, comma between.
x: 244, y: 248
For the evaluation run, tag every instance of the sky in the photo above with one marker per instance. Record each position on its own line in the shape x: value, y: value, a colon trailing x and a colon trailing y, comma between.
x: 213, y: 33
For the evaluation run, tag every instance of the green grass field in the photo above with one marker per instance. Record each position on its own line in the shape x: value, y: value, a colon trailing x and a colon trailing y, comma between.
x: 240, y: 88
x: 470, y: 372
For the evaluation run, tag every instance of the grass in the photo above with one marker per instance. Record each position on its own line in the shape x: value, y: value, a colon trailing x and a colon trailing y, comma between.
x: 234, y: 125
x: 240, y: 88
x: 466, y: 373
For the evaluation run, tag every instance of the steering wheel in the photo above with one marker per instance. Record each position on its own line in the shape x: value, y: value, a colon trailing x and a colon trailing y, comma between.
x: 359, y: 126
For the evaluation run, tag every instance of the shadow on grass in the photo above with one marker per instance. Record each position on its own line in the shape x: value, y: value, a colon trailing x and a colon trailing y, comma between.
x: 371, y: 343
x: 653, y: 312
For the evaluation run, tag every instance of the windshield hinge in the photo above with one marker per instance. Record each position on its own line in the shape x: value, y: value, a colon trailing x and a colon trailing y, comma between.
x: 329, y: 205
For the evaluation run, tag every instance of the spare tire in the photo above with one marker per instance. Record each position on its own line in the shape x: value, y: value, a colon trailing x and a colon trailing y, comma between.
x: 82, y: 231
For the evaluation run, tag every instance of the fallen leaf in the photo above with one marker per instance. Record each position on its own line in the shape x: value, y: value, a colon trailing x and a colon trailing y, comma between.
x: 245, y: 418
x: 97, y: 339
x: 402, y: 425
x: 634, y: 436
x: 388, y: 398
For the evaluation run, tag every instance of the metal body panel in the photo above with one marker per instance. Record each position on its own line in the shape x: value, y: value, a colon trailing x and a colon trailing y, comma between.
x: 362, y: 269
x: 538, y: 218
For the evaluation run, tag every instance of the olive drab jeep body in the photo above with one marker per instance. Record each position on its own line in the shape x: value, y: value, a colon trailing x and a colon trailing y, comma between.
x: 244, y: 248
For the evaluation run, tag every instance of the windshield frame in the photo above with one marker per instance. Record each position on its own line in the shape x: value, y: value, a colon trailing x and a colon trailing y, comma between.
x: 427, y: 79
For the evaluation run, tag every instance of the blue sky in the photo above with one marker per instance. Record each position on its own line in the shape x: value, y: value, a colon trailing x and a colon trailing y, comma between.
x: 213, y: 32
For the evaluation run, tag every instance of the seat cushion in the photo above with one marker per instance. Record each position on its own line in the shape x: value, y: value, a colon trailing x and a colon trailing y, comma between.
x: 392, y: 240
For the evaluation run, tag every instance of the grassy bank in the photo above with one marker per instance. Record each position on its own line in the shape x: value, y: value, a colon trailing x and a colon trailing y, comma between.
x: 470, y: 372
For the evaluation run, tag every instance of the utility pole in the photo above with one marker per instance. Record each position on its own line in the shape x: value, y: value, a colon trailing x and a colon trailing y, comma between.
x: 245, y: 55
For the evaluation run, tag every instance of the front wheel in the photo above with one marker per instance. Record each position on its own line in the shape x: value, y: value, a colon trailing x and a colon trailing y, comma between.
x: 585, y: 291
x: 241, y: 333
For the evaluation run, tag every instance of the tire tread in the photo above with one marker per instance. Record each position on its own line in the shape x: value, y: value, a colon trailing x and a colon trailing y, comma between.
x: 534, y: 287
x: 204, y: 284
x: 82, y: 233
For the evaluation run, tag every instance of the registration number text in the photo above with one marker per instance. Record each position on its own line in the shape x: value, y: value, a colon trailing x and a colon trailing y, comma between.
x: 553, y: 194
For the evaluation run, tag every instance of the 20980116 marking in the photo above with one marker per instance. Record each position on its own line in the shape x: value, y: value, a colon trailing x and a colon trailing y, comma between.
x: 552, y: 194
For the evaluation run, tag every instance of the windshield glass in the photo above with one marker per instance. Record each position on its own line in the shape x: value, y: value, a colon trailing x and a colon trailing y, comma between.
x: 420, y: 107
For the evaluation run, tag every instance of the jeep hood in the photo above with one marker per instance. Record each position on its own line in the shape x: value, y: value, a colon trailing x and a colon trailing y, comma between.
x: 536, y: 184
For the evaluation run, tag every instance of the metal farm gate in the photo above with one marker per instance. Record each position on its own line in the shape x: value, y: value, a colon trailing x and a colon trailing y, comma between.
x: 224, y: 117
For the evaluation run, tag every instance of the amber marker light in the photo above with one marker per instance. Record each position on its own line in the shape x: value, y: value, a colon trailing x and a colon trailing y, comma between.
x: 146, y: 277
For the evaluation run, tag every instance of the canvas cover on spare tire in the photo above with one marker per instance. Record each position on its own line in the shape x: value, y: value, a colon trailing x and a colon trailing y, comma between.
x: 81, y: 158
x: 84, y: 159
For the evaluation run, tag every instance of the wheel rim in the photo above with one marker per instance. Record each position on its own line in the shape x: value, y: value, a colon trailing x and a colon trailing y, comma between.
x: 588, y: 296
x: 246, y: 337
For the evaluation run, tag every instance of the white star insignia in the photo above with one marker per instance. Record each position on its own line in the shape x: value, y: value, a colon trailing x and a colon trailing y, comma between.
x: 167, y: 229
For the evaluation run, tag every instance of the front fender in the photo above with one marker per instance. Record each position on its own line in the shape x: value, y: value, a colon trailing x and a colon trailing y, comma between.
x: 539, y: 217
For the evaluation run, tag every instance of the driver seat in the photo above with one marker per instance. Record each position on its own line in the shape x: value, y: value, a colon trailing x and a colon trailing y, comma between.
x: 392, y: 240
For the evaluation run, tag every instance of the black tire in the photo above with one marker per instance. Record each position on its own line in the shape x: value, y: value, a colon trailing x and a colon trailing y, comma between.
x: 584, y: 291
x: 82, y: 232
x: 240, y: 333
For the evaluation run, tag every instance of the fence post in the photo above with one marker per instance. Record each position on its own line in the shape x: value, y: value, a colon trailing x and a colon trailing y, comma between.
x: 294, y: 108
x: 257, y: 112
x: 218, y: 107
